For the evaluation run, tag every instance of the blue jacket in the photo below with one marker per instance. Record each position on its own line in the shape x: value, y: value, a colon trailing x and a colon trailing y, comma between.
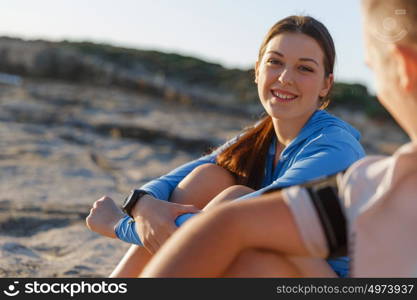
x: 326, y: 145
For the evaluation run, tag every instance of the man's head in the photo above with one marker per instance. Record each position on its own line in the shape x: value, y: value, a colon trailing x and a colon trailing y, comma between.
x: 390, y: 31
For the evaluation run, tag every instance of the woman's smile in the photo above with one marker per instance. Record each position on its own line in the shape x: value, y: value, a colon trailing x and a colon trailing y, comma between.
x: 282, y: 96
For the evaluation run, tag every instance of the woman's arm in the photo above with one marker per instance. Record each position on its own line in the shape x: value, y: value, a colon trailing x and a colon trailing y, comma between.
x: 162, y: 187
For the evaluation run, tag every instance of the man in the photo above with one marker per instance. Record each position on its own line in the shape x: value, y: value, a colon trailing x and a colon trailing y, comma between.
x: 374, y: 211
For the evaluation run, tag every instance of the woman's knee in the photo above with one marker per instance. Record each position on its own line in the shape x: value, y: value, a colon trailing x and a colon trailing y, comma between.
x: 214, y: 172
x: 238, y: 189
x: 230, y: 193
x: 233, y: 192
x: 202, y: 185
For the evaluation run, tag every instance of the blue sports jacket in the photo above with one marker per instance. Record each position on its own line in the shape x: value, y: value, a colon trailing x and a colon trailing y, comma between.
x: 326, y: 145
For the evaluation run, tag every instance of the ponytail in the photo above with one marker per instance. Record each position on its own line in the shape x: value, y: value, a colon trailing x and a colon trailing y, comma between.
x: 245, y: 159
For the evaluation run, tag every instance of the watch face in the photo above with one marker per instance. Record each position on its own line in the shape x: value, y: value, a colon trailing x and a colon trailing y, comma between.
x: 128, y: 198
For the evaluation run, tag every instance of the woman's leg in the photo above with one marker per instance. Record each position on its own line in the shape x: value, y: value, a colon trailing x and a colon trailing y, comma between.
x: 228, y: 194
x: 202, y: 185
x: 132, y: 263
x: 261, y: 223
x: 197, y: 188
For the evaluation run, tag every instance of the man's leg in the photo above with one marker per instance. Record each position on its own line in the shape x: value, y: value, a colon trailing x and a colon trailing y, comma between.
x: 254, y: 263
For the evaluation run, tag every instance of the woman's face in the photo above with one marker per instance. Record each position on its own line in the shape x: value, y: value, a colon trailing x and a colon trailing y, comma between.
x: 290, y: 76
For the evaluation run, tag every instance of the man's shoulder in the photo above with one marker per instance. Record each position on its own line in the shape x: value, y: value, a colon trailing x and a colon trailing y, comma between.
x: 366, y: 173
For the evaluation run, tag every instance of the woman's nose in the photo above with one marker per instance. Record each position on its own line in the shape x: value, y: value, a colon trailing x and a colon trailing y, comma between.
x: 285, y: 77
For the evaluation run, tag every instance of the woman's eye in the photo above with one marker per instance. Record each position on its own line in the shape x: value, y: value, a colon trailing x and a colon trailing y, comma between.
x: 274, y: 62
x: 306, y: 69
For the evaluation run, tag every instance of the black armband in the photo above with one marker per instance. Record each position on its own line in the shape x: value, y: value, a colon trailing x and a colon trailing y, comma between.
x: 324, y: 196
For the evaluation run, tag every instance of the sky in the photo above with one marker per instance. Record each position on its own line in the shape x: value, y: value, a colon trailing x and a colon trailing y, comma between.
x: 219, y: 31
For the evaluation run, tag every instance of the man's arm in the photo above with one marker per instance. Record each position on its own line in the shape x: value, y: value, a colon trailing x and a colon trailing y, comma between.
x: 222, y: 233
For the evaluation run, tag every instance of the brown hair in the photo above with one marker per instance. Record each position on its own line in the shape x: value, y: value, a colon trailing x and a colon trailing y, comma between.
x: 246, y: 158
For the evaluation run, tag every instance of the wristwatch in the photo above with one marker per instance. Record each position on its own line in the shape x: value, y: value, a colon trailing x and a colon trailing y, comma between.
x: 131, y: 200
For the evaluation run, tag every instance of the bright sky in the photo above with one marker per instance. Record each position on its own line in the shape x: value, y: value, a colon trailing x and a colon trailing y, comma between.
x: 222, y: 31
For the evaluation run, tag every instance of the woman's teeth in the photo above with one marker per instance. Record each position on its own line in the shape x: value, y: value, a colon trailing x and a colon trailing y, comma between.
x: 283, y: 96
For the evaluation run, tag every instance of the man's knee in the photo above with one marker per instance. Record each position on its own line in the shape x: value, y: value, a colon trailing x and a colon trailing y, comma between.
x: 254, y: 255
x: 253, y: 259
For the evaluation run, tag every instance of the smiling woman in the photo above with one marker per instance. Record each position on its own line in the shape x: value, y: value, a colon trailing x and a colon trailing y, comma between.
x: 296, y: 58
x: 295, y: 142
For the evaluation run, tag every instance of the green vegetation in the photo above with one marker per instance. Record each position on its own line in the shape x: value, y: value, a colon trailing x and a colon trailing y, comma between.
x: 356, y: 97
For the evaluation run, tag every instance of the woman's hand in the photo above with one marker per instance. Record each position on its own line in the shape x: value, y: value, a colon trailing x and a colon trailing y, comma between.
x: 155, y: 220
x: 104, y: 216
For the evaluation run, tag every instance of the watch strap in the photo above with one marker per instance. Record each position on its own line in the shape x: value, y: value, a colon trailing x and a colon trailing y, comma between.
x: 132, y: 199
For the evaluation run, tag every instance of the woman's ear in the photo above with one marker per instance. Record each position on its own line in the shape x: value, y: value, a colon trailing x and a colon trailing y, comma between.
x: 256, y: 71
x: 328, y: 82
x: 406, y: 61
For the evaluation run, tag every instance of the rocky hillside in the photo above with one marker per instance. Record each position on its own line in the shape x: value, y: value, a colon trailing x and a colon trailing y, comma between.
x: 166, y: 75
x: 169, y: 76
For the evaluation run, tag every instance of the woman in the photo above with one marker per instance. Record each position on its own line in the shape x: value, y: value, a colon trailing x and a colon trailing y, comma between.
x: 296, y: 142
